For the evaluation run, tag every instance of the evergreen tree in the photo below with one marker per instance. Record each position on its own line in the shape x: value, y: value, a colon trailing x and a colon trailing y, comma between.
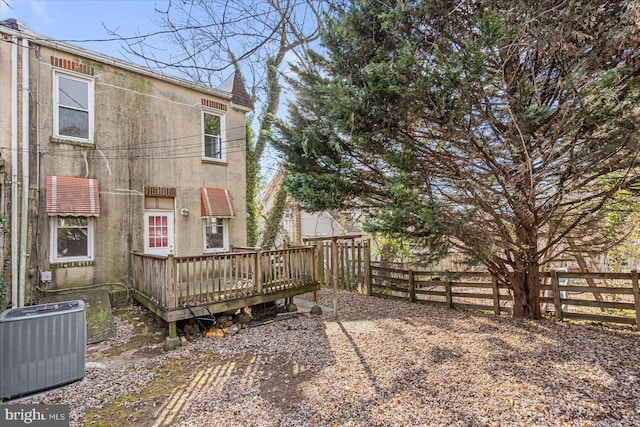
x: 498, y: 128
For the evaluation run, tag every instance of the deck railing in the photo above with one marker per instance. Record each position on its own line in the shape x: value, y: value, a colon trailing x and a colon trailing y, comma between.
x: 173, y: 282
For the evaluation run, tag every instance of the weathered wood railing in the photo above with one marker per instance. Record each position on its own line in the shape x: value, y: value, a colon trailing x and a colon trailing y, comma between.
x: 352, y: 260
x: 151, y: 277
x: 173, y: 282
x: 568, y: 295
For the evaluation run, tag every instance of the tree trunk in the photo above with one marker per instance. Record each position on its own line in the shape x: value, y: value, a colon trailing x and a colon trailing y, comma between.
x: 273, y: 223
x: 525, y: 283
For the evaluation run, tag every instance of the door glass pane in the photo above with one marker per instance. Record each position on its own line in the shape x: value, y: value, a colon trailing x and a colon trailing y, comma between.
x: 158, y: 231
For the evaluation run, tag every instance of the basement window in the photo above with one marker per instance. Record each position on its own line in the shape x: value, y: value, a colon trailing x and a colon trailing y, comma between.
x: 71, y: 238
x: 216, y: 237
x: 72, y: 203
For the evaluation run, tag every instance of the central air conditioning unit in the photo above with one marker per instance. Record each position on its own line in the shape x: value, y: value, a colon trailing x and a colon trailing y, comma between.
x: 41, y: 346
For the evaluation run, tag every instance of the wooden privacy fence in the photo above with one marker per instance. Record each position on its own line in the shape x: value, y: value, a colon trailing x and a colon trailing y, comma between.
x: 174, y: 282
x: 600, y: 297
x: 351, y: 264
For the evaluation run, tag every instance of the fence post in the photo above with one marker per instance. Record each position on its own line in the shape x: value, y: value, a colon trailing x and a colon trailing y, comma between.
x: 555, y: 287
x: 171, y: 282
x: 448, y: 290
x: 360, y: 268
x: 636, y: 295
x: 412, y: 287
x: 320, y: 261
x: 367, y: 268
x: 496, y: 294
x: 257, y: 272
x: 334, y: 272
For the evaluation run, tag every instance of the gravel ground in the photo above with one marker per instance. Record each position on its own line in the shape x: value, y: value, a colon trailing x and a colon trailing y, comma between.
x: 381, y: 363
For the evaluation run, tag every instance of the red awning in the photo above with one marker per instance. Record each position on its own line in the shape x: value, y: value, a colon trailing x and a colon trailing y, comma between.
x: 72, y: 196
x: 216, y: 202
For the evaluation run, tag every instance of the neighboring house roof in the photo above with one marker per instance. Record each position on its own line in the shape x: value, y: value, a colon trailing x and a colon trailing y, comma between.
x: 235, y: 84
x: 12, y: 23
x: 19, y: 29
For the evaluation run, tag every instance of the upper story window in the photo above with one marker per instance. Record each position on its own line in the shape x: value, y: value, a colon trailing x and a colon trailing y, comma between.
x: 73, y: 107
x: 212, y: 140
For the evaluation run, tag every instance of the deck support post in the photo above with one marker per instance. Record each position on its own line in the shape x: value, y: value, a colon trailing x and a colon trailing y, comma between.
x: 290, y: 306
x: 172, y: 341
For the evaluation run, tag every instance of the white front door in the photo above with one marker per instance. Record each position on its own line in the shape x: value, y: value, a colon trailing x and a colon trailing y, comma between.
x: 158, y: 233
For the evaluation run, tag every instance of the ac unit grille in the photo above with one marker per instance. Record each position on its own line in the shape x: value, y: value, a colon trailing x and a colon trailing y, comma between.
x: 42, y: 347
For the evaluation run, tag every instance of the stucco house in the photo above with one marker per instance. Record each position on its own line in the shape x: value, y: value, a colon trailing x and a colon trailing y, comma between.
x: 101, y: 158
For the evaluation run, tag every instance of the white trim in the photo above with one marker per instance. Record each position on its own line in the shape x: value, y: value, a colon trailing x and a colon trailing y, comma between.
x: 56, y: 104
x: 223, y: 139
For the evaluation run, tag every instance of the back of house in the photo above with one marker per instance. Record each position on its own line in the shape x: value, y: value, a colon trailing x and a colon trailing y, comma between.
x: 102, y: 158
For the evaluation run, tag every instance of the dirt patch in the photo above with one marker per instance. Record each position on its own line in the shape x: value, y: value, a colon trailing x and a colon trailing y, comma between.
x: 140, y: 408
x: 282, y: 382
x: 139, y: 336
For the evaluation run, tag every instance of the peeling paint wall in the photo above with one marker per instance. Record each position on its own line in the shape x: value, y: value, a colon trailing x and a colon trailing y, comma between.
x: 147, y: 132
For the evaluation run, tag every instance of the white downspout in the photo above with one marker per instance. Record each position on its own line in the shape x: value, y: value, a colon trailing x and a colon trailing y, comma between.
x: 24, y: 210
x: 14, y: 172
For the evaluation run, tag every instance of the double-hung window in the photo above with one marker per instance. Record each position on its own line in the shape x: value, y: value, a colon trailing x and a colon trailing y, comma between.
x: 71, y: 238
x: 212, y: 139
x: 73, y: 107
x: 216, y: 209
x: 215, y: 234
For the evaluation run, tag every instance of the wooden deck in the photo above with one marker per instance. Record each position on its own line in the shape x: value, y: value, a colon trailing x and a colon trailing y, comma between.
x: 221, y: 282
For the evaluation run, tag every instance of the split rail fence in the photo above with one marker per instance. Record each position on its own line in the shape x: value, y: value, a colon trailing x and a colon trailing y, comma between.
x: 598, y: 297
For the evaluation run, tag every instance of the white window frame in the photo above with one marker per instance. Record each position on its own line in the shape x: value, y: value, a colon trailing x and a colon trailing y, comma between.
x: 225, y: 235
x: 223, y: 143
x: 54, y: 242
x: 56, y: 105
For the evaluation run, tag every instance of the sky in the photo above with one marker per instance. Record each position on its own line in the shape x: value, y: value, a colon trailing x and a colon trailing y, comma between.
x: 76, y: 20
